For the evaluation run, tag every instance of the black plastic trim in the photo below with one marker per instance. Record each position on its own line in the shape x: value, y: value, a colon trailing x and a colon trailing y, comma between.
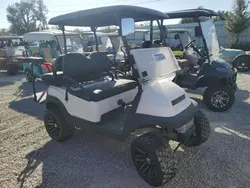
x: 142, y: 120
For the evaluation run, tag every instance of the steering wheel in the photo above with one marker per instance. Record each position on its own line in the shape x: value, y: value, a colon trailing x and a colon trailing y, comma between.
x: 189, y: 44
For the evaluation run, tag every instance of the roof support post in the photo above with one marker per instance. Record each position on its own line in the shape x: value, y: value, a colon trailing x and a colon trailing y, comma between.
x: 64, y: 40
x: 151, y: 31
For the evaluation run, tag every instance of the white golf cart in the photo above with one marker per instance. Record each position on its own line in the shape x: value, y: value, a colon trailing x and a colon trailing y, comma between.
x: 49, y: 43
x: 11, y: 47
x: 83, y: 92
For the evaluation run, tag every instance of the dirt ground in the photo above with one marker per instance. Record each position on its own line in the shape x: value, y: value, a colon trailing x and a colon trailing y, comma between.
x: 29, y: 158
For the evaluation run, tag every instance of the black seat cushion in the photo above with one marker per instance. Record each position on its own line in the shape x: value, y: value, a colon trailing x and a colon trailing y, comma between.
x: 102, y: 90
x: 51, y: 79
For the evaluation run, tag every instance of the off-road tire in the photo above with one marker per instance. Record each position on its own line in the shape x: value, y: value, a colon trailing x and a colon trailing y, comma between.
x: 161, y: 156
x: 12, y: 69
x: 237, y: 63
x: 202, y: 131
x: 66, y: 131
x: 28, y: 75
x: 211, y: 90
x: 234, y: 87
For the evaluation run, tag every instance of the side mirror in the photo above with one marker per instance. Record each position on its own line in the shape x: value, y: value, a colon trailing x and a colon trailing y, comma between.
x: 127, y: 26
x: 176, y: 36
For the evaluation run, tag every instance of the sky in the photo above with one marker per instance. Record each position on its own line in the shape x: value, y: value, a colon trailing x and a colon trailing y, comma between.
x: 58, y: 7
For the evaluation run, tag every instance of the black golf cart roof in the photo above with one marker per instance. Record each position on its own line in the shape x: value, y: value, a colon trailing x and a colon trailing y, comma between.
x: 105, y: 16
x: 190, y: 13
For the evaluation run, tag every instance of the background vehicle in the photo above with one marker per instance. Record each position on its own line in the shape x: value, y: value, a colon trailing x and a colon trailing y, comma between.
x: 85, y: 94
x: 11, y: 47
x: 215, y: 74
x: 49, y: 43
x: 236, y: 57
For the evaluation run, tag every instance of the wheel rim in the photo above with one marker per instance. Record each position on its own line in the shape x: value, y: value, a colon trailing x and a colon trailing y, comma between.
x: 144, y: 163
x: 53, y: 127
x: 242, y: 65
x: 220, y: 99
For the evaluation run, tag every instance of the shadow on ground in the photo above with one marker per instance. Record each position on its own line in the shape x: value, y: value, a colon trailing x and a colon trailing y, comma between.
x: 96, y: 161
x: 24, y: 102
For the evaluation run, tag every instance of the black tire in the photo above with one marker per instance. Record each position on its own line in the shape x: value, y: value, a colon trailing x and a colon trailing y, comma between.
x: 214, y: 95
x: 56, y: 126
x: 12, y: 69
x: 242, y: 63
x: 234, y: 87
x: 28, y: 75
x: 153, y: 160
x: 202, y: 130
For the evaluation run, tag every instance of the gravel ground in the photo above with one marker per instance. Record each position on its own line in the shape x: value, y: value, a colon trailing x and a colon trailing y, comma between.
x: 29, y: 158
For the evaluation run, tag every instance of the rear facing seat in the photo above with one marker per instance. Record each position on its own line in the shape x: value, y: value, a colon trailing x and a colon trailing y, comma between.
x: 81, y: 69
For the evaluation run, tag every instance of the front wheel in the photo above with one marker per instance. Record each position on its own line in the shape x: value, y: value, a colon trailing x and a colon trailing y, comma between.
x: 153, y: 160
x: 219, y: 98
x: 202, y: 130
x: 242, y: 63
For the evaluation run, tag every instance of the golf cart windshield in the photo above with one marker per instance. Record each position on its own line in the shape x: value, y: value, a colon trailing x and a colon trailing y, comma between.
x: 210, y: 35
x: 152, y: 59
x: 73, y: 42
x: 178, y: 38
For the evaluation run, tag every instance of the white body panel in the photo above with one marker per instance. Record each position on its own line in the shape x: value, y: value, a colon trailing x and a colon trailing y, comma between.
x: 157, y: 62
x: 157, y: 96
x: 89, y: 110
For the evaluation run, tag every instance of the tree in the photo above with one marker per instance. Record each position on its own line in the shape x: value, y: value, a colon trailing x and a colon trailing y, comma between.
x: 238, y: 19
x: 26, y: 16
x: 4, y: 32
x: 109, y: 29
x: 223, y: 15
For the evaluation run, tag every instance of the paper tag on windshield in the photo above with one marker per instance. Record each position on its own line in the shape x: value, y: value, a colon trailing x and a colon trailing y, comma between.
x: 159, y: 57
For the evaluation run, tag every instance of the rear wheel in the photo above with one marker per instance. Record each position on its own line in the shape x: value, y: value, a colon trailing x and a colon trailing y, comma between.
x: 12, y: 69
x: 219, y: 98
x: 56, y: 126
x: 28, y: 75
x: 202, y: 130
x: 242, y: 63
x: 153, y: 160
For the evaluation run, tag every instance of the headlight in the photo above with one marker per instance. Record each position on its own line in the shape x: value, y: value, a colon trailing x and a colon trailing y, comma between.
x: 221, y: 69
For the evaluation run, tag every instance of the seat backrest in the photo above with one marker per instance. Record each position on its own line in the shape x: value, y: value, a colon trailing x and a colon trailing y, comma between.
x: 80, y: 68
x: 33, y: 50
x: 57, y: 64
x: 145, y: 44
x: 101, y: 60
